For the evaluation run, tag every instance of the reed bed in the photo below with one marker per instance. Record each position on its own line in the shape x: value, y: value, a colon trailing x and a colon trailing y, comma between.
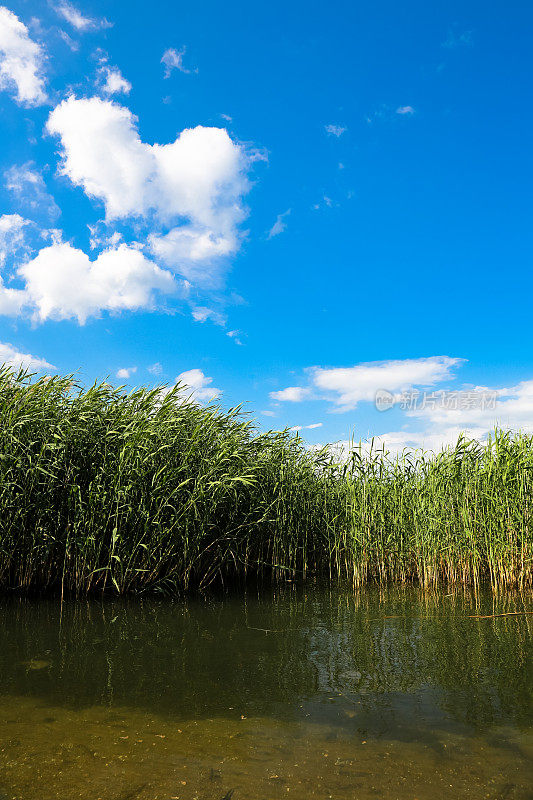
x: 102, y: 490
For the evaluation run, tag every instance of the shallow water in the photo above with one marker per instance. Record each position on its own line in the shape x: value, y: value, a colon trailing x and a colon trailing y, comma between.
x: 392, y: 694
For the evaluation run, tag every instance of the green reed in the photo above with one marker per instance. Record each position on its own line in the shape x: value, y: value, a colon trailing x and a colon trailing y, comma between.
x: 106, y: 490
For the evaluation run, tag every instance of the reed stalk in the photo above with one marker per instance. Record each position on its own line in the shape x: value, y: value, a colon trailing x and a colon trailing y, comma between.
x: 102, y: 490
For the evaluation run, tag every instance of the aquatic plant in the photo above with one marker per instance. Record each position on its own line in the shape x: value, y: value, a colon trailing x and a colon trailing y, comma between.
x: 103, y: 490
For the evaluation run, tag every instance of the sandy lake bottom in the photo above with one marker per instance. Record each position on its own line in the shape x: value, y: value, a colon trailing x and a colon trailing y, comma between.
x: 393, y: 694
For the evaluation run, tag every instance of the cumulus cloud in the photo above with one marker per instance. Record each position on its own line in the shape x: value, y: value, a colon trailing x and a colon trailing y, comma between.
x: 27, y: 185
x: 198, y: 386
x: 173, y: 59
x: 61, y: 282
x: 280, y: 225
x: 335, y: 130
x: 21, y: 61
x: 475, y: 411
x: 189, y: 191
x: 292, y: 394
x: 102, y: 153
x: 82, y: 23
x: 441, y: 425
x: 347, y: 386
x: 112, y: 81
x: 12, y: 357
x: 124, y: 373
x: 440, y: 416
x: 199, y: 176
x: 405, y: 110
x: 195, y: 252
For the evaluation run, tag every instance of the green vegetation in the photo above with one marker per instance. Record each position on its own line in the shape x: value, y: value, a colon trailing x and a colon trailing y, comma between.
x: 102, y: 490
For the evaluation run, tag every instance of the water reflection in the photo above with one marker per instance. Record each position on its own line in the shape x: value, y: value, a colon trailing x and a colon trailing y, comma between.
x: 378, y: 679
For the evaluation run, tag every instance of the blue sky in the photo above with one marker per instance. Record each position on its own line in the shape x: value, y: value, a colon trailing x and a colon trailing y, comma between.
x: 294, y: 207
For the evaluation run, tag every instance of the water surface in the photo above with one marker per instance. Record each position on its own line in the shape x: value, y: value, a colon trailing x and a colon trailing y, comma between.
x: 394, y: 694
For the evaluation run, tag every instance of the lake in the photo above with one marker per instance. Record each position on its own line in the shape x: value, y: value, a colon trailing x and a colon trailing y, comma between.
x: 293, y: 693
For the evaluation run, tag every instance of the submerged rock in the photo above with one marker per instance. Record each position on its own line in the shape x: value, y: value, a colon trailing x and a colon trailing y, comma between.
x: 37, y: 663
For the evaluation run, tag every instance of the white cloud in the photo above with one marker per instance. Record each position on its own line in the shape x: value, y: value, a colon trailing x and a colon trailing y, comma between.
x: 393, y: 444
x: 350, y: 385
x: 326, y: 201
x: 405, y: 110
x: 21, y: 61
x: 12, y: 228
x: 438, y: 424
x: 27, y: 184
x: 11, y: 300
x: 280, y: 225
x: 195, y: 253
x: 112, y: 81
x: 74, y: 46
x: 306, y: 427
x: 397, y: 441
x: 12, y: 357
x: 189, y: 191
x: 102, y: 153
x: 63, y: 283
x: 335, y: 130
x: 347, y: 386
x: 292, y: 394
x: 508, y: 407
x: 198, y: 386
x: 124, y: 373
x: 82, y: 23
x: 155, y: 369
x: 173, y: 59
x: 204, y: 314
x: 12, y: 241
x: 235, y: 335
x: 100, y: 237
x: 199, y: 176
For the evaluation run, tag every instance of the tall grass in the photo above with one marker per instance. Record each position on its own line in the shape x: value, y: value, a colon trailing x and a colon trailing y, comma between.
x: 460, y: 516
x: 102, y: 490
